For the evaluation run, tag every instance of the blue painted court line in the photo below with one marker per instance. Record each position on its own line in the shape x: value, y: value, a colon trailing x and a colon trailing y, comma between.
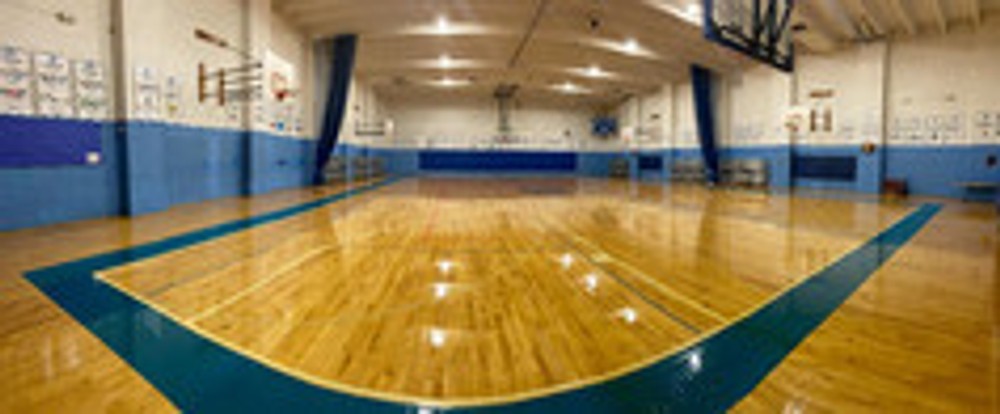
x: 201, y: 376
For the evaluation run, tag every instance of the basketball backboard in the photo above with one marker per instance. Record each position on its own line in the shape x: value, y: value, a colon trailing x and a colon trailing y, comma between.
x: 759, y: 28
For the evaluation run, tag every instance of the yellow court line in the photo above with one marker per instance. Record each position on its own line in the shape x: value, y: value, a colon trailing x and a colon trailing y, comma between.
x: 260, y: 284
x: 464, y: 402
x: 656, y: 283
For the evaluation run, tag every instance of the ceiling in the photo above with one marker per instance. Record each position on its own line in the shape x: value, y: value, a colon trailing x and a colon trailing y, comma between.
x: 833, y: 23
x: 591, y: 49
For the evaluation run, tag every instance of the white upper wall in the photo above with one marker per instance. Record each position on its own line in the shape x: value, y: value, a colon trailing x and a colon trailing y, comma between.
x: 925, y: 91
x: 646, y: 121
x: 159, y: 34
x: 31, y: 25
x: 463, y: 121
x: 945, y: 79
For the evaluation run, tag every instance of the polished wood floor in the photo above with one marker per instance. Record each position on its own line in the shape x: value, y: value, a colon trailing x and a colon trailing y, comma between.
x: 461, y: 290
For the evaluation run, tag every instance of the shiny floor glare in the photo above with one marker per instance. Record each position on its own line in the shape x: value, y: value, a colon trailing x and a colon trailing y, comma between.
x: 465, y: 291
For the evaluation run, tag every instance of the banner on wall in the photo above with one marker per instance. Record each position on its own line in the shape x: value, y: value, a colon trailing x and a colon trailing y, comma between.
x: 15, y: 81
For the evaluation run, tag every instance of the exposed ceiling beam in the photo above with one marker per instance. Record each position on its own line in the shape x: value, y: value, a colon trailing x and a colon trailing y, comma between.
x: 816, y: 36
x: 834, y: 12
x: 976, y: 12
x: 869, y: 19
x: 939, y: 17
x: 903, y: 15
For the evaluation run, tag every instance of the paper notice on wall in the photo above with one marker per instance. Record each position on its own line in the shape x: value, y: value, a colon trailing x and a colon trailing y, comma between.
x: 54, y: 90
x: 15, y: 81
x: 90, y: 85
x: 147, y: 94
x: 173, y: 93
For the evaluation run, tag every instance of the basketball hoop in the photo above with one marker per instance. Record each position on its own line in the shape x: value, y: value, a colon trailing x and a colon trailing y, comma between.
x: 280, y: 86
x: 282, y: 95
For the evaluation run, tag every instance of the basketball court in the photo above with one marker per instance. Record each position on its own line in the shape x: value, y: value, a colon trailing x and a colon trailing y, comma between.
x: 525, y: 206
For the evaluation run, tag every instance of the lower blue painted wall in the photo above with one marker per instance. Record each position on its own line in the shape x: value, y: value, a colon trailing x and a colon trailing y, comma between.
x: 32, y: 197
x: 497, y: 161
x: 928, y: 171
x: 935, y: 171
x: 149, y: 167
x: 172, y: 164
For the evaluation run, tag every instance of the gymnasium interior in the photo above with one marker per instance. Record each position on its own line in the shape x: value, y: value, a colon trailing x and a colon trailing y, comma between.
x: 500, y: 206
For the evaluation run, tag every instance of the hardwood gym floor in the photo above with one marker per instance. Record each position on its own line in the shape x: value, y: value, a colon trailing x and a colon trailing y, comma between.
x: 454, y: 292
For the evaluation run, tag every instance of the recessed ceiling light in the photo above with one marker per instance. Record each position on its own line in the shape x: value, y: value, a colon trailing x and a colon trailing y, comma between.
x: 443, y: 24
x: 446, y: 82
x: 445, y: 61
x: 693, y: 10
x: 569, y: 88
x: 631, y: 46
x: 595, y: 71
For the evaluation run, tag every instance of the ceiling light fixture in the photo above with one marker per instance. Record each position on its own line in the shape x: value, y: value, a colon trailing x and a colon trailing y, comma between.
x: 595, y: 71
x: 569, y: 88
x: 631, y: 46
x: 445, y: 61
x: 447, y: 82
x: 693, y: 10
x: 443, y: 25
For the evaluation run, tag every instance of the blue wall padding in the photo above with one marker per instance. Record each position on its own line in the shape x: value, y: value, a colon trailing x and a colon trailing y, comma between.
x: 937, y: 170
x: 202, y: 164
x: 341, y: 70
x: 161, y: 165
x: 32, y: 197
x: 479, y: 161
x: 280, y: 162
x: 868, y: 175
x: 650, y: 162
x: 703, y: 87
x: 144, y: 167
x: 172, y: 164
x: 833, y: 168
x: 596, y: 164
x: 398, y: 161
x: 41, y: 142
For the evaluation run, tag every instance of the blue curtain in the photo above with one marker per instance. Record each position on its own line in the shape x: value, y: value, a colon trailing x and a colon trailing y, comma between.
x: 704, y: 105
x: 341, y: 68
